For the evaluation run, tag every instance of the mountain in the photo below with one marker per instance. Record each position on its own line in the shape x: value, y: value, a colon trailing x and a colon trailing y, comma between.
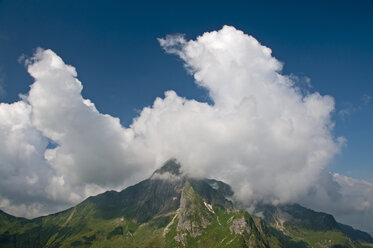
x: 170, y: 209
x: 317, y: 229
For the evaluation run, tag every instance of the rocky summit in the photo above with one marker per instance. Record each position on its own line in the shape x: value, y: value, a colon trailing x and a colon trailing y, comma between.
x: 170, y: 209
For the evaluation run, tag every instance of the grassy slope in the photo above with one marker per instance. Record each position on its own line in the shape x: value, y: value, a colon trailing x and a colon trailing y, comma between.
x: 87, y: 225
x: 80, y: 227
x: 329, y: 238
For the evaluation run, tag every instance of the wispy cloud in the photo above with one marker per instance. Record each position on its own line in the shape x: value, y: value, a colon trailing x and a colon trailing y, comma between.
x: 350, y: 108
x: 366, y: 99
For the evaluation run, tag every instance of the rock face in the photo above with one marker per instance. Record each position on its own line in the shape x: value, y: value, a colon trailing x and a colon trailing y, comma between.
x: 171, y: 166
x: 192, y: 218
x: 170, y: 209
x: 239, y: 226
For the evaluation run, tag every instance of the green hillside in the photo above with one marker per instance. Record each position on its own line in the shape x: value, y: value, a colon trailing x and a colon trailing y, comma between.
x: 171, y: 210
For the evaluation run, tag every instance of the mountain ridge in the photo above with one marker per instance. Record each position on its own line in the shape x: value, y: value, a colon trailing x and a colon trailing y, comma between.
x: 170, y: 209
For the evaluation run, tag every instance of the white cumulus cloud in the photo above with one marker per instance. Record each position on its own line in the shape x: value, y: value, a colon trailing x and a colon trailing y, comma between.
x: 90, y: 151
x: 268, y: 138
x: 261, y: 134
x: 91, y: 147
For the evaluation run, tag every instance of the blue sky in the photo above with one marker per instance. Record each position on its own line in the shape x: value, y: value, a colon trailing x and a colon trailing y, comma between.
x: 326, y: 47
x: 114, y: 48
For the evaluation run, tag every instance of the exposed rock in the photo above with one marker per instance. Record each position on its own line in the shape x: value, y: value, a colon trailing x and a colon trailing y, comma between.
x: 239, y: 226
x: 192, y: 216
x: 167, y: 228
x: 70, y: 217
x: 181, y: 238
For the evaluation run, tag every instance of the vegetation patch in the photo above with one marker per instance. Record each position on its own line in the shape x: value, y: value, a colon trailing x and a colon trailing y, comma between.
x: 117, y: 231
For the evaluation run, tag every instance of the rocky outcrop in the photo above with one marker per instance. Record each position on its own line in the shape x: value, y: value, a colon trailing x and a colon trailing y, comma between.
x: 193, y: 216
x: 239, y: 226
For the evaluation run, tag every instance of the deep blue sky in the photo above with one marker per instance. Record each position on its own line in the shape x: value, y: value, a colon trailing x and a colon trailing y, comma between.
x: 114, y: 48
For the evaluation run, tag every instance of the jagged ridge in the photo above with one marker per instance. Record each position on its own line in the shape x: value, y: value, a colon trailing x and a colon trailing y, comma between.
x: 177, y: 211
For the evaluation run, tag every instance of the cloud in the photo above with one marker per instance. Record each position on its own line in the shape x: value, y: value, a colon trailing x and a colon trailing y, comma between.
x: 91, y: 147
x: 261, y: 135
x: 366, y: 99
x: 268, y: 138
x: 166, y: 176
x: 350, y: 108
x: 356, y: 201
x: 89, y: 154
x: 348, y: 199
x: 23, y: 171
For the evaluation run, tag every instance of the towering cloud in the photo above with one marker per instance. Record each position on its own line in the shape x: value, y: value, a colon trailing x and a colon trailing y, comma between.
x: 261, y: 134
x: 90, y: 151
x: 91, y: 147
x: 23, y: 171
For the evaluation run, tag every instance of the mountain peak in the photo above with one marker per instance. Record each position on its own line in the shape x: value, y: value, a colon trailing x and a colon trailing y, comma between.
x: 188, y: 212
x: 171, y: 166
